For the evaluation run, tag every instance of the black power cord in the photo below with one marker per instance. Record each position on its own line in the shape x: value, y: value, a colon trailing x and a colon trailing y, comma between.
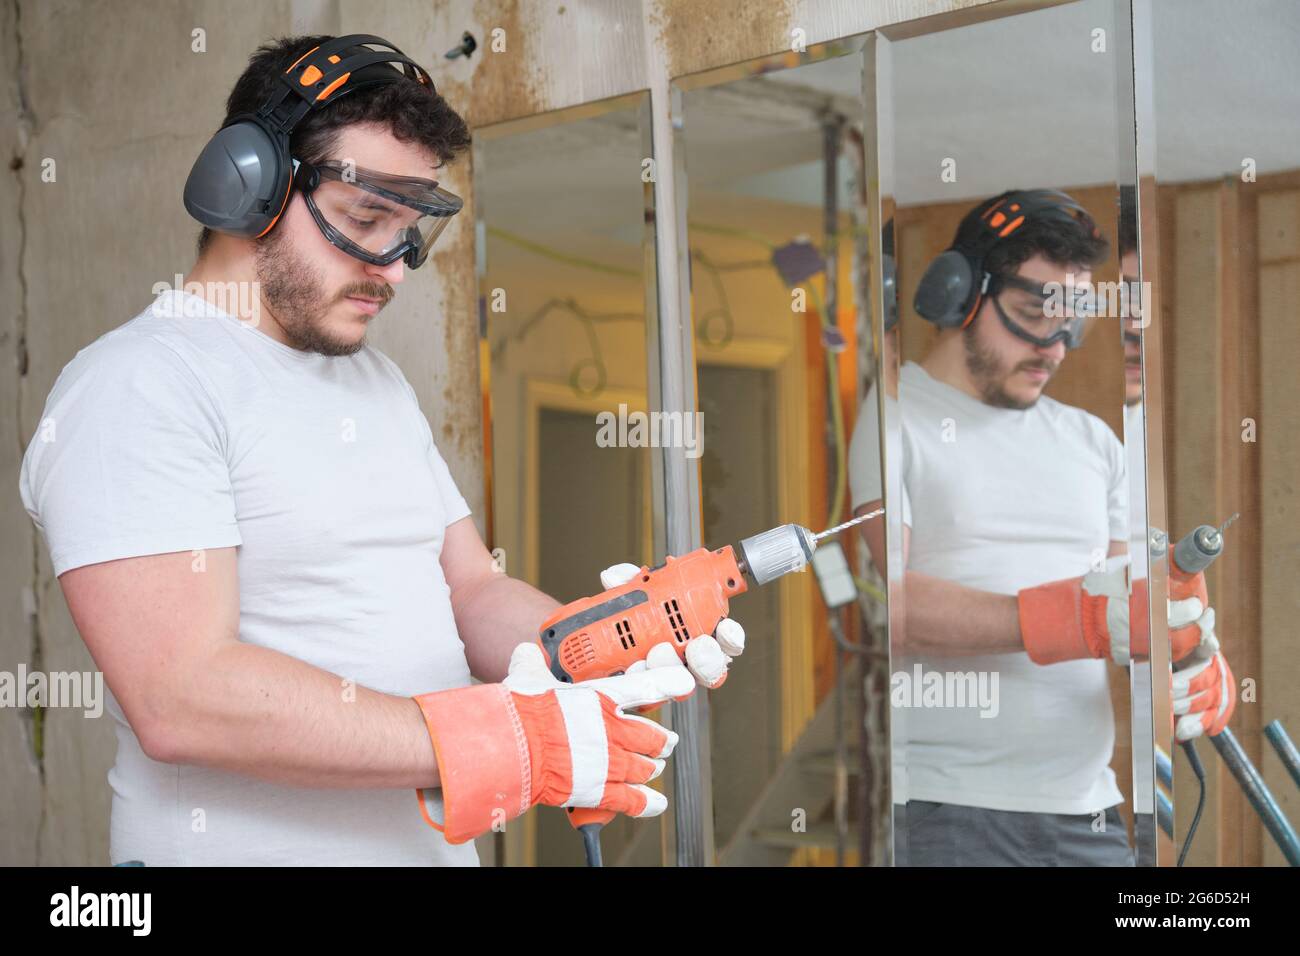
x: 1193, y: 761
x: 591, y: 843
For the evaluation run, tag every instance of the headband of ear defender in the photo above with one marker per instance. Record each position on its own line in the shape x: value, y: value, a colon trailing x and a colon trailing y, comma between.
x: 240, y: 183
x: 952, y: 288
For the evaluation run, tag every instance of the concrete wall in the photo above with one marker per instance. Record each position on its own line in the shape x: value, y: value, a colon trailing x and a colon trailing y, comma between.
x: 115, y: 95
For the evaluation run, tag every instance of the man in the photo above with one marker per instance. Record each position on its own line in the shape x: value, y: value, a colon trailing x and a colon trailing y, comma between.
x: 263, y: 548
x: 1008, y: 499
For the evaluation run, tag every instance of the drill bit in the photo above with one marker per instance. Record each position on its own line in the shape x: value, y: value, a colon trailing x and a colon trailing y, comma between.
x: 770, y: 554
x: 858, y: 520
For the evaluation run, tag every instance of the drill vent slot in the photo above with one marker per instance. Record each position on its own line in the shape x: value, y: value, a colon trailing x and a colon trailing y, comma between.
x: 577, y: 653
x: 624, y: 630
x: 675, y: 621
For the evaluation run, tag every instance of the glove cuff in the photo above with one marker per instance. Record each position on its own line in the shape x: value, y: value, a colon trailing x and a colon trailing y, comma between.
x: 483, y: 761
x: 1052, y: 622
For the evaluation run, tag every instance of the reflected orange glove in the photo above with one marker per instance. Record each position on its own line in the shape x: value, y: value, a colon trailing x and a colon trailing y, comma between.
x: 502, y: 748
x: 1097, y: 615
x: 1184, y: 635
x: 1204, y: 692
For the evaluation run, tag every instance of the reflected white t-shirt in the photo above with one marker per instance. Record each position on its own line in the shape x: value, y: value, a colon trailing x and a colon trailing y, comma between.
x: 1002, y: 499
x: 186, y: 429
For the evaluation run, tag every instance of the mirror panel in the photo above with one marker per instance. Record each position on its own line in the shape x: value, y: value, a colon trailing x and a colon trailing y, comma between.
x: 1219, y: 197
x: 1007, y: 447
x: 565, y: 222
x: 777, y: 201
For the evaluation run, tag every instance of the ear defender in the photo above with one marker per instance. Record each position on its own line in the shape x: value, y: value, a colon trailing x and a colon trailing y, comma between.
x: 241, y: 182
x: 944, y: 294
x: 952, y: 288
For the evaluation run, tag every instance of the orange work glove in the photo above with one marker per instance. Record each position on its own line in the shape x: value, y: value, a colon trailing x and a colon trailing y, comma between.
x: 1100, y: 615
x: 502, y: 748
x: 1096, y: 615
x: 1204, y: 691
x: 1184, y: 635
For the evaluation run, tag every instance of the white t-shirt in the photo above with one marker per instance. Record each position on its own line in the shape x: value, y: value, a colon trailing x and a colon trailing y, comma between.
x: 1001, y: 499
x: 186, y: 429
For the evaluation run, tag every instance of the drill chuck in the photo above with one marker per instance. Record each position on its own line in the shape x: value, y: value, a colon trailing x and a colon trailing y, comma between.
x: 1197, y: 551
x: 771, y: 554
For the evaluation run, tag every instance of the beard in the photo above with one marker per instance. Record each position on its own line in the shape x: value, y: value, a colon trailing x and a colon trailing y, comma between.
x: 294, y: 294
x: 990, y: 373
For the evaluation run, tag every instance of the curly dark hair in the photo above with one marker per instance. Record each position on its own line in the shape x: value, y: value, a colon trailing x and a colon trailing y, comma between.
x: 412, y: 112
x: 1066, y: 243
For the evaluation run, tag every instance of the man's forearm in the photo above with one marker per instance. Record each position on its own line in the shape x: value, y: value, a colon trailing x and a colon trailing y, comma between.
x: 949, y: 619
x: 255, y: 711
x: 496, y: 617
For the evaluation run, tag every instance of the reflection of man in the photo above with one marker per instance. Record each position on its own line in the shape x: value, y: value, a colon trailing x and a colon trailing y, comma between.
x: 1203, y: 693
x: 1015, y: 521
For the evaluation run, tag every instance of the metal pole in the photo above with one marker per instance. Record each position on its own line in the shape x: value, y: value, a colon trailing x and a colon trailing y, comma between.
x: 676, y: 478
x: 1257, y: 792
x: 1286, y: 751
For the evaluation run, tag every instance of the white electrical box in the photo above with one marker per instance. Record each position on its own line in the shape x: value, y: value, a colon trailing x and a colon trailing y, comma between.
x: 833, y: 575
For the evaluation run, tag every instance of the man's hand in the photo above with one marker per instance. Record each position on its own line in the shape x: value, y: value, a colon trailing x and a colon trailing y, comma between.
x: 1204, y: 690
x: 503, y: 748
x: 707, y: 655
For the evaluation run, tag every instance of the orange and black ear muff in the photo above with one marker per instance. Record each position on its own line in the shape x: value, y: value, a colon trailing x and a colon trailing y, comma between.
x: 241, y: 182
x: 948, y: 293
x: 952, y: 288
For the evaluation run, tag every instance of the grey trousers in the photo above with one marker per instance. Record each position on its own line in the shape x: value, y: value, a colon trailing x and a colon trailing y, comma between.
x: 945, y: 834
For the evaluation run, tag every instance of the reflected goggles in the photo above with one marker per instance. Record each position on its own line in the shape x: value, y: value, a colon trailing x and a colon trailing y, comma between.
x: 375, y: 217
x: 1028, y: 311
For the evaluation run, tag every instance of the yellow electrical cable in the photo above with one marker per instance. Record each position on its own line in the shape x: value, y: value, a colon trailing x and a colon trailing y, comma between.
x: 733, y: 232
x: 869, y: 588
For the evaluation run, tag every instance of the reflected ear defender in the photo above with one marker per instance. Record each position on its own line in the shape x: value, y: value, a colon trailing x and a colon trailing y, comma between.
x: 953, y: 286
x: 241, y: 182
x: 889, y: 280
x: 889, y: 274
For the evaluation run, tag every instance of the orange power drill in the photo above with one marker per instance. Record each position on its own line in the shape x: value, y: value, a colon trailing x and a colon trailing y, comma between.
x: 682, y: 598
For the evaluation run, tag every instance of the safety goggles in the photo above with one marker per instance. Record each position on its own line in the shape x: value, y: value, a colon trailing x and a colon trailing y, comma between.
x: 373, y: 216
x: 1028, y: 311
